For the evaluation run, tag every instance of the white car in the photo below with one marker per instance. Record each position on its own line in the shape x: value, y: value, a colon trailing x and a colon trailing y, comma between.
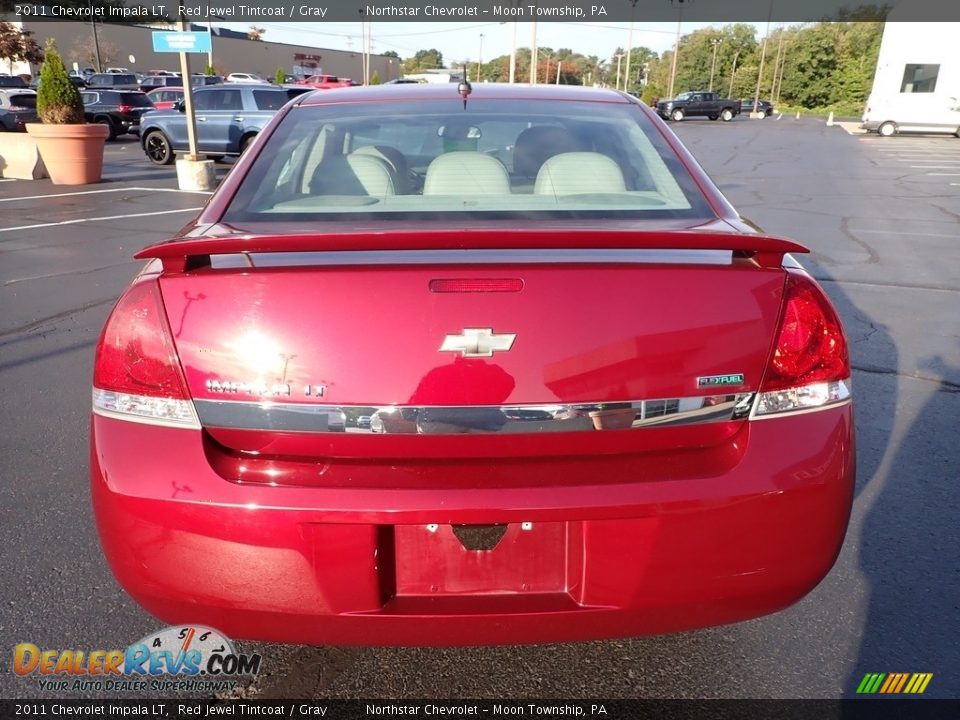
x: 240, y: 77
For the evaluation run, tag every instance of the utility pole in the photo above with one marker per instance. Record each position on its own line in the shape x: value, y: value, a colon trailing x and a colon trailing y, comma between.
x: 559, y: 65
x: 480, y: 58
x: 513, y: 55
x: 96, y: 40
x: 633, y: 9
x: 713, y: 66
x: 776, y: 65
x: 533, y: 55
x: 618, y: 56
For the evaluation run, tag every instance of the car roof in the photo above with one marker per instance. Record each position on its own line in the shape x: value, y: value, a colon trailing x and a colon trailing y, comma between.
x: 442, y: 91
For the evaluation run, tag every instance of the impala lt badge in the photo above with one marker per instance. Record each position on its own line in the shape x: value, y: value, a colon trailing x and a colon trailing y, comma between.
x: 478, y: 342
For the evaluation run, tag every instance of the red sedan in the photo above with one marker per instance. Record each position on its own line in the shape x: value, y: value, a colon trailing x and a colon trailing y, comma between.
x: 606, y: 405
x: 165, y: 98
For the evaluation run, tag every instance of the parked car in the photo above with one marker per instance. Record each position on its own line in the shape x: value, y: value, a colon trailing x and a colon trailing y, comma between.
x: 113, y: 81
x: 154, y: 81
x: 119, y: 111
x: 711, y: 480
x: 198, y: 80
x: 118, y: 71
x: 698, y: 103
x: 324, y: 82
x: 165, y: 98
x: 228, y: 119
x: 239, y: 77
x: 18, y: 106
x: 764, y: 108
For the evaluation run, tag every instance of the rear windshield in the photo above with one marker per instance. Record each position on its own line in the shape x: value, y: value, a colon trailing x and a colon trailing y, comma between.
x: 136, y: 99
x: 24, y: 101
x: 13, y: 81
x: 494, y: 159
x: 270, y: 99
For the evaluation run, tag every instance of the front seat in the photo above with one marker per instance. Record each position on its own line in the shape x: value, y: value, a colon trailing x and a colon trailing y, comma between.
x: 353, y: 175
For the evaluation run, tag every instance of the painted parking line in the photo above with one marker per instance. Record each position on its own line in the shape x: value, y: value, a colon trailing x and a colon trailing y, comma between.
x: 935, y: 167
x: 945, y: 174
x: 97, y: 219
x: 903, y: 232
x: 110, y: 190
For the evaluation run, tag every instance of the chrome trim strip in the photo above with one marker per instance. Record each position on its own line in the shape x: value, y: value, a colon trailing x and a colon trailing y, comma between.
x: 478, y: 419
x: 472, y: 257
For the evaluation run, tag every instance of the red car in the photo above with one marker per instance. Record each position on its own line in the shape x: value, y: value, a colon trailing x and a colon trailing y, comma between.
x: 165, y: 98
x: 325, y: 82
x: 620, y: 410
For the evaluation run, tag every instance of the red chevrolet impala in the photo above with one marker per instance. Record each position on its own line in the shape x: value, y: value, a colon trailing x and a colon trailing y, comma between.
x: 442, y: 365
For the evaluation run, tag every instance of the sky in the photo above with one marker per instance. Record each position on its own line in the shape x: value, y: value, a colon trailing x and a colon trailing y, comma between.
x: 462, y: 41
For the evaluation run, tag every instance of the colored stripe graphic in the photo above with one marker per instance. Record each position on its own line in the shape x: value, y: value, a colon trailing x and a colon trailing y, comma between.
x: 894, y: 683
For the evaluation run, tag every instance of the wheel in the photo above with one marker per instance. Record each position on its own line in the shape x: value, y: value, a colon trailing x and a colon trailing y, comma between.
x: 677, y: 115
x: 109, y: 123
x: 761, y: 113
x: 245, y: 143
x: 887, y: 129
x: 158, y: 148
x: 714, y: 117
x: 726, y: 115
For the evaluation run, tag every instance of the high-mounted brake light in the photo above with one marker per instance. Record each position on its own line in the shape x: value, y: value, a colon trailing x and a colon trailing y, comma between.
x: 136, y: 373
x: 810, y: 366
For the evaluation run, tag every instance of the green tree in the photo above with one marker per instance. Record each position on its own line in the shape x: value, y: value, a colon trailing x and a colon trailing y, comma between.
x: 375, y: 78
x: 208, y: 70
x: 391, y: 54
x: 423, y: 60
x: 279, y: 77
x: 58, y: 100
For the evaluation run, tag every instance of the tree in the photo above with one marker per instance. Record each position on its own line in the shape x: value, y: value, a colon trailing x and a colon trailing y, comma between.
x: 279, y: 77
x: 86, y: 52
x: 255, y: 33
x: 17, y: 45
x: 391, y: 53
x: 423, y: 60
x: 375, y: 78
x: 58, y: 100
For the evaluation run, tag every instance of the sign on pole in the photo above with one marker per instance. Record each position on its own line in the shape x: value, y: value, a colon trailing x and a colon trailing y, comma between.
x: 181, y: 42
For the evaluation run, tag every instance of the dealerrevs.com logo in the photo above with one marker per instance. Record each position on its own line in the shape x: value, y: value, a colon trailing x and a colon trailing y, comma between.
x: 176, y: 658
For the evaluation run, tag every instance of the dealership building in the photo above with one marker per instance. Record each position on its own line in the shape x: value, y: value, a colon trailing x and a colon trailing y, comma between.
x: 232, y: 52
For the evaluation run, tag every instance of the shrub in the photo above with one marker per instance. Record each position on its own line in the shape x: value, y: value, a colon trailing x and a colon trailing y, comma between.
x: 58, y: 100
x: 375, y: 78
x: 208, y: 70
x: 279, y: 77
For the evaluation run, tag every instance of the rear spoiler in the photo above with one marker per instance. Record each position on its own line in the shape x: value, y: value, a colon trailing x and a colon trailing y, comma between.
x: 193, y: 253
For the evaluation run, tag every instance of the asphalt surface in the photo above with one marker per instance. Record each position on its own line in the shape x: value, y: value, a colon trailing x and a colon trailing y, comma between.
x: 883, y: 233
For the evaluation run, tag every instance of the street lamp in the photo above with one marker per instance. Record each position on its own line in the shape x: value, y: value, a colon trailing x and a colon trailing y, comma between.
x: 713, y: 66
x: 480, y: 58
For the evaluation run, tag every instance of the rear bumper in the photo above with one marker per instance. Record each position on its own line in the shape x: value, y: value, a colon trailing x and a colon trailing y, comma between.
x: 383, y: 567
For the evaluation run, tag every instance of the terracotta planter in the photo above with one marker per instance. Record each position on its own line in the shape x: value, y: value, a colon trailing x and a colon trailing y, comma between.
x: 616, y: 419
x: 73, y: 154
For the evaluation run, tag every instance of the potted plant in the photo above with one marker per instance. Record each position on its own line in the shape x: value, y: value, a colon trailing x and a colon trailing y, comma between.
x: 71, y: 148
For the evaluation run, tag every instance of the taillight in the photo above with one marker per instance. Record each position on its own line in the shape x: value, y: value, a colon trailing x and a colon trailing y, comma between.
x: 810, y: 366
x: 136, y: 373
x: 125, y: 108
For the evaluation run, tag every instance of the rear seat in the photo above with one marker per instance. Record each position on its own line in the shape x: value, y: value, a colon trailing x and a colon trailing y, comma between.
x: 466, y: 173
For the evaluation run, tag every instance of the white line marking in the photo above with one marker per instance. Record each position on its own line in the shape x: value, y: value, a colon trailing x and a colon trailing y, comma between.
x: 902, y: 232
x: 97, y: 192
x: 935, y: 167
x: 945, y: 174
x: 97, y: 219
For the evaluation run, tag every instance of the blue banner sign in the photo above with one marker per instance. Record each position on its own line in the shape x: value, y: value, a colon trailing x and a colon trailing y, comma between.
x: 185, y: 42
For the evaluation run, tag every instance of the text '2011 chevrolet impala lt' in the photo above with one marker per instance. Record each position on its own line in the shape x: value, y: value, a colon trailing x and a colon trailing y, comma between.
x: 444, y: 365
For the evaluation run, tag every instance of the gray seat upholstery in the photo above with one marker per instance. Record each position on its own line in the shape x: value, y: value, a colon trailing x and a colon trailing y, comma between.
x: 577, y: 173
x: 394, y: 158
x: 468, y: 173
x: 535, y: 145
x: 353, y: 175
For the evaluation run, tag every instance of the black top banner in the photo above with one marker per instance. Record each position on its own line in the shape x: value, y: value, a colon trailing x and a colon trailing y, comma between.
x: 300, y: 11
x: 184, y: 709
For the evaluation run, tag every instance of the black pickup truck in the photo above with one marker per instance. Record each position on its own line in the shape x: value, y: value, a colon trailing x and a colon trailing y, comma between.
x: 698, y: 103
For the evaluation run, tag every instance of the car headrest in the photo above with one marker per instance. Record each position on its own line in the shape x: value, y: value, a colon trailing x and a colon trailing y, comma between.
x: 353, y: 175
x: 536, y: 144
x: 464, y: 172
x: 577, y: 173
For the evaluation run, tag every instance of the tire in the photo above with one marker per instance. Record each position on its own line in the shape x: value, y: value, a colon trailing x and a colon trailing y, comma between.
x: 726, y: 115
x: 887, y: 129
x: 761, y: 113
x: 677, y: 115
x: 158, y: 148
x: 714, y: 117
x: 245, y: 143
x: 109, y: 123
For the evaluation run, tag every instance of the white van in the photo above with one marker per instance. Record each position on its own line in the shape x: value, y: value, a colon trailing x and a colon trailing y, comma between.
x: 916, y: 87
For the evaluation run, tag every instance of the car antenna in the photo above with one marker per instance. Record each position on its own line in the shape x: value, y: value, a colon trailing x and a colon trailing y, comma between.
x: 464, y: 88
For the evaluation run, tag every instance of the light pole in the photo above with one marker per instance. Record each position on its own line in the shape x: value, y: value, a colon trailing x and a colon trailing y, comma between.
x: 96, y: 40
x: 633, y: 9
x: 733, y: 72
x: 676, y: 47
x: 713, y: 66
x: 533, y: 55
x: 618, y: 56
x: 480, y: 58
x: 763, y: 54
x: 513, y: 55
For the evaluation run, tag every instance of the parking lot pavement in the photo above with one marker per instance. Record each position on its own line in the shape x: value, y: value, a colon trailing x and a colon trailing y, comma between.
x: 884, y: 244
x: 932, y: 160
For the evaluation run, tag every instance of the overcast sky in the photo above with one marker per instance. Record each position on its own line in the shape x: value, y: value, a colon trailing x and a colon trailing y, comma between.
x: 461, y: 41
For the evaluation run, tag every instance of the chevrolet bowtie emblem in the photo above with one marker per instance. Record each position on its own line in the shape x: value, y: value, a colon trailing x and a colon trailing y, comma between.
x: 477, y: 342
